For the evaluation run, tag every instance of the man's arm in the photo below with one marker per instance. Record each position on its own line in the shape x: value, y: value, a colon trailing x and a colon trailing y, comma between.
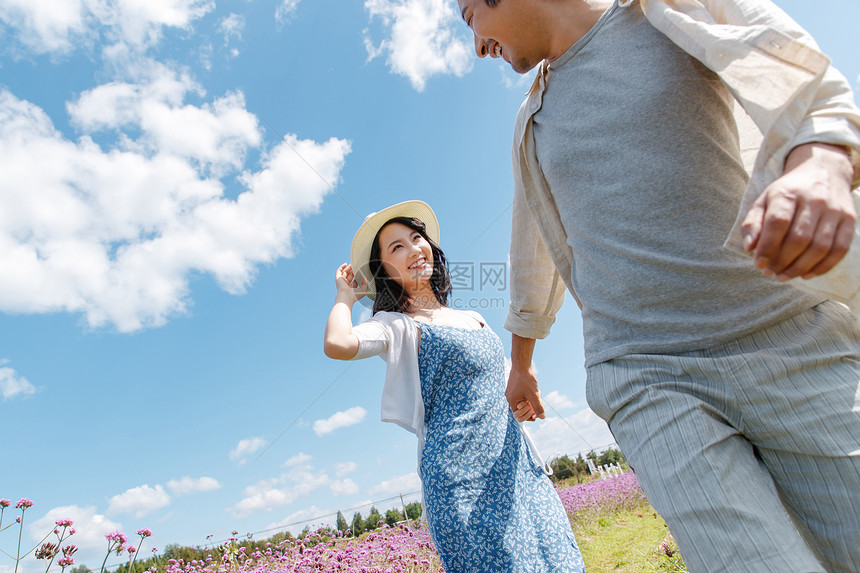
x: 803, y: 223
x: 799, y: 103
x: 522, y: 392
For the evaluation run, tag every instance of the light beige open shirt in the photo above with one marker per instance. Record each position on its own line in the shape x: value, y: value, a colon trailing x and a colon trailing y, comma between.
x: 787, y: 94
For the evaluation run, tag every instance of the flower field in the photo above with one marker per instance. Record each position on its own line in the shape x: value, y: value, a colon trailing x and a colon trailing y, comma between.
x: 404, y: 548
x: 606, y: 495
x: 601, y: 512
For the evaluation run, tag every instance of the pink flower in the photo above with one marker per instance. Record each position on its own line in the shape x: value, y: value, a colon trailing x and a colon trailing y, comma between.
x: 130, y: 549
x: 117, y: 536
x: 65, y: 561
x: 23, y: 503
x: 4, y: 503
x: 64, y: 522
x: 144, y: 532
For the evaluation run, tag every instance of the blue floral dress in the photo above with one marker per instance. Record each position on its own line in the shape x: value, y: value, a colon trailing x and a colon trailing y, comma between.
x: 490, y: 507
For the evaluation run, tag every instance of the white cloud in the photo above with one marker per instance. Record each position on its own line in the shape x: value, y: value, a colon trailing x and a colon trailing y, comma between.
x: 423, y: 39
x: 582, y: 431
x: 343, y: 487
x: 139, y: 501
x: 13, y: 384
x: 232, y: 26
x: 268, y: 495
x: 116, y: 233
x: 46, y: 26
x: 300, y: 459
x: 343, y: 468
x: 90, y: 527
x: 339, y: 420
x: 397, y: 485
x: 285, y: 10
x: 513, y: 80
x: 557, y: 400
x: 188, y: 485
x: 246, y: 448
x: 312, y: 517
x: 214, y: 138
x: 59, y: 26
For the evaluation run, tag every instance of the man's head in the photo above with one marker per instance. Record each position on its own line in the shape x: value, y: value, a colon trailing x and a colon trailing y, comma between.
x: 524, y: 32
x: 509, y: 29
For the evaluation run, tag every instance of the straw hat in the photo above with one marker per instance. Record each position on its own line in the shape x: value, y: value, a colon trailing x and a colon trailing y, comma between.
x: 359, y: 254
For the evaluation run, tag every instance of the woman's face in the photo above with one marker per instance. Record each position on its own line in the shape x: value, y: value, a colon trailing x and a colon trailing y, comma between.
x: 406, y: 256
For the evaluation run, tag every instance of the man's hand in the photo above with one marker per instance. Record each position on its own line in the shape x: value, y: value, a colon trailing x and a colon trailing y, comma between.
x: 522, y: 392
x: 523, y: 396
x: 803, y: 223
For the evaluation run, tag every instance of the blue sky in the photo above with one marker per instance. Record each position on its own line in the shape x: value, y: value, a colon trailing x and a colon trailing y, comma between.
x: 180, y: 180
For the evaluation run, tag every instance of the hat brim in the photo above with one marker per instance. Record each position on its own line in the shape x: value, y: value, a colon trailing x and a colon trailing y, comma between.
x: 362, y: 243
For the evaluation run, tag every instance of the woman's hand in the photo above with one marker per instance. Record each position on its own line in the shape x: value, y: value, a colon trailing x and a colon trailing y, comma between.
x: 340, y: 343
x: 348, y: 289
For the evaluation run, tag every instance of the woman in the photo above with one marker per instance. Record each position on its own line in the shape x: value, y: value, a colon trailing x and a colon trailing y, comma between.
x: 489, y: 505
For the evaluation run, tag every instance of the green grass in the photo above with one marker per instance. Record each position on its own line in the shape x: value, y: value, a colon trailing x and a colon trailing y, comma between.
x: 630, y: 540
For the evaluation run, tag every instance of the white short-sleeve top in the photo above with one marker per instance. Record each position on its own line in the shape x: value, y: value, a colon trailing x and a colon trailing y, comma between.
x: 394, y: 336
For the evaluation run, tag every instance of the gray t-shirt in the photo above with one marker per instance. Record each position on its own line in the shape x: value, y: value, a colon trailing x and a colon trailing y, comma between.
x: 638, y: 143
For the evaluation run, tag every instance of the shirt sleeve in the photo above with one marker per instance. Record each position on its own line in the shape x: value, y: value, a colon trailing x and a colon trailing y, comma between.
x: 537, y: 291
x: 374, y: 338
x: 773, y: 67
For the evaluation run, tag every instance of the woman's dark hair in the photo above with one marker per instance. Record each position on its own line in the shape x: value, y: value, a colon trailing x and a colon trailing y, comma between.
x: 390, y: 296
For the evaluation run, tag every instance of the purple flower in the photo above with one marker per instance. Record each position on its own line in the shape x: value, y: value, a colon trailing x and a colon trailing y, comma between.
x: 64, y: 522
x: 144, y: 532
x: 4, y: 503
x: 23, y: 503
x: 65, y: 562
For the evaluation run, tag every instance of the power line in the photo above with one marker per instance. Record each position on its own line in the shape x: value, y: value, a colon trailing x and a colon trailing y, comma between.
x: 330, y: 514
x: 569, y: 425
x: 308, y: 407
x: 487, y: 228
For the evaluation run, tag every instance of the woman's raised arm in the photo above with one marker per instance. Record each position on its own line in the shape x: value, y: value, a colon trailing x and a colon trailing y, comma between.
x: 340, y: 342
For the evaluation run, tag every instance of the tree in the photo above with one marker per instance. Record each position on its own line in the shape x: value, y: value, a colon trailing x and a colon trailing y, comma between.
x: 187, y: 554
x: 342, y: 525
x: 357, y: 524
x: 413, y: 510
x: 567, y: 468
x: 610, y: 456
x: 392, y: 516
x: 373, y: 519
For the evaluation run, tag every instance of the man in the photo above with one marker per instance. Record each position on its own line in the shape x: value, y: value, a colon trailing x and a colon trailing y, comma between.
x: 734, y: 395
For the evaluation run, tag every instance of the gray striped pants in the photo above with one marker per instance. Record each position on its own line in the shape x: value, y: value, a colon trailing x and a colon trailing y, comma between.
x: 751, y: 450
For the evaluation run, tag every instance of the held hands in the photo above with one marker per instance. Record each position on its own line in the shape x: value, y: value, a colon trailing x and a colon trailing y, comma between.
x: 348, y: 289
x: 802, y: 223
x: 523, y: 395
